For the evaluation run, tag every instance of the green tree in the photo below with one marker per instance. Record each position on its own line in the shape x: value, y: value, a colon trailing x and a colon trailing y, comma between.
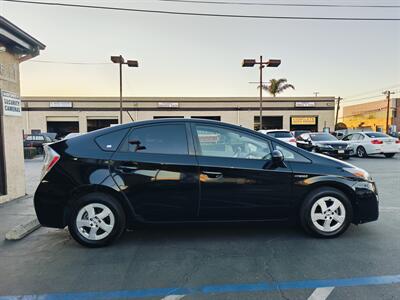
x: 277, y: 86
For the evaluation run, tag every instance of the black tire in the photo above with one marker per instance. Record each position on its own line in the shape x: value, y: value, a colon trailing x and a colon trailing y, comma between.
x: 361, y: 152
x: 389, y: 155
x: 305, y: 212
x: 103, y: 199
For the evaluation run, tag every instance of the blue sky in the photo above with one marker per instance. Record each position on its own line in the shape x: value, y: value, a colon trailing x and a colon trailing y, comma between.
x: 198, y: 56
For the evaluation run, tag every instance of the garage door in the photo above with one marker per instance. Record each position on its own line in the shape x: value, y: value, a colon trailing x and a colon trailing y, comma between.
x: 62, y: 128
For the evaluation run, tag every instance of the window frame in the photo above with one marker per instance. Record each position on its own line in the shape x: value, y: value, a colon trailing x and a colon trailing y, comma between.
x: 188, y: 136
x: 197, y: 147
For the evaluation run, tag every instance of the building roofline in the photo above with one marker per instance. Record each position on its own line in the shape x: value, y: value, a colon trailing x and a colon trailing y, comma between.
x: 21, y: 34
x: 174, y: 99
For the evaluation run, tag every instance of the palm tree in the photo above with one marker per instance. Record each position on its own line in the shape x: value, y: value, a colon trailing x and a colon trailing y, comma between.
x: 277, y: 86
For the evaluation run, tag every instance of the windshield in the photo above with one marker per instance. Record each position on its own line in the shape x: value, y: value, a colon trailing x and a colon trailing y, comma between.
x: 322, y: 137
x: 377, y: 135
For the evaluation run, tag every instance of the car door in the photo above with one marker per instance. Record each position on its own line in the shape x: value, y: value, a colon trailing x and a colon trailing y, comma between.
x: 349, y: 139
x: 156, y: 169
x: 237, y: 178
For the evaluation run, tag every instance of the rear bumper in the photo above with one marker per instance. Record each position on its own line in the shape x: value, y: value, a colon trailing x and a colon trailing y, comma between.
x: 366, y: 202
x: 382, y: 149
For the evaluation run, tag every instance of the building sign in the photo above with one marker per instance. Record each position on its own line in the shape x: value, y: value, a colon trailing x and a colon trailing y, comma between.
x: 304, y: 120
x: 168, y: 104
x: 61, y: 104
x: 11, y: 104
x: 305, y: 104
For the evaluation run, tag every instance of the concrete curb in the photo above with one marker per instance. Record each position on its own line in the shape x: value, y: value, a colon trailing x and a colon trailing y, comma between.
x: 22, y: 230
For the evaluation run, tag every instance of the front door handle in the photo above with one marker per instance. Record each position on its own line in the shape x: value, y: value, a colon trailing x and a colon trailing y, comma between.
x: 127, y: 169
x: 213, y: 175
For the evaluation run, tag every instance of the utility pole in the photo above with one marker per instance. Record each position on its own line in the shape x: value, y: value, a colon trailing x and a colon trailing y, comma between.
x: 387, y: 93
x: 337, y: 111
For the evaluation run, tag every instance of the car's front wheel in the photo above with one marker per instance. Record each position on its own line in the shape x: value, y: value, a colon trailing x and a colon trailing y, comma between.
x: 326, y: 212
x: 361, y: 152
x: 96, y: 220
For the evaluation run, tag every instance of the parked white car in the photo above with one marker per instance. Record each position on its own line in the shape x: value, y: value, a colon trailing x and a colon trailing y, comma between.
x: 370, y: 143
x: 281, y: 134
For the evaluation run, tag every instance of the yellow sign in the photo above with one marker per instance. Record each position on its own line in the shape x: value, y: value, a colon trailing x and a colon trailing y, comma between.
x: 304, y: 120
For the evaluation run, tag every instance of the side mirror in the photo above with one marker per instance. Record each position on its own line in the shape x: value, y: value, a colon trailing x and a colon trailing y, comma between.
x: 277, y: 157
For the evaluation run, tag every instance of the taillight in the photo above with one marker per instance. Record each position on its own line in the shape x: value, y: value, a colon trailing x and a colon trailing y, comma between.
x: 398, y: 142
x: 376, y: 142
x: 50, y: 159
x: 292, y: 141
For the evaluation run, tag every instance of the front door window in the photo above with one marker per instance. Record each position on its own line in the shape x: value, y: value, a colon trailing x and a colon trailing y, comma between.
x: 221, y: 142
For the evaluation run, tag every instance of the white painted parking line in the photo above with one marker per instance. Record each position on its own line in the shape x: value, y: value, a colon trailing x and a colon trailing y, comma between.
x: 173, y: 297
x: 321, y: 293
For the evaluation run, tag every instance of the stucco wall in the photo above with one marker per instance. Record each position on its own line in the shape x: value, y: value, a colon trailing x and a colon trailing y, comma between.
x: 12, y: 136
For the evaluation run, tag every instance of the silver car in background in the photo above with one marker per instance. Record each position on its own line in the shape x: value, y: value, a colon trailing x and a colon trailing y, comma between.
x: 281, y: 134
x: 371, y: 143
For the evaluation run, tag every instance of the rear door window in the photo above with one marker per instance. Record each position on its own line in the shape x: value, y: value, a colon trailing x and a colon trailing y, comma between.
x: 161, y: 139
x: 112, y: 140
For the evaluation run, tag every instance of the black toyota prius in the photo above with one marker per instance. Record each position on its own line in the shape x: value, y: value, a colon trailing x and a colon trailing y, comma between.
x: 184, y: 170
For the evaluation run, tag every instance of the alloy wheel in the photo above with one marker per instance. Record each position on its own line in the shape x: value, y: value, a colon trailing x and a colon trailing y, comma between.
x: 328, y: 214
x: 95, y: 221
x: 361, y: 152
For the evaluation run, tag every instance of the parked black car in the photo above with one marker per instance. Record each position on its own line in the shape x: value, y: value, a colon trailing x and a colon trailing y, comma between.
x: 36, y: 141
x: 325, y: 143
x: 179, y: 170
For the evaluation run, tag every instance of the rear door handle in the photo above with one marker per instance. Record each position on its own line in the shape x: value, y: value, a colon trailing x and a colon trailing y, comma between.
x: 214, y: 175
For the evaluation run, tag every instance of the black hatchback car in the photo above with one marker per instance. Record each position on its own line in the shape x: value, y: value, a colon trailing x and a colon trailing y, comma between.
x: 179, y: 170
x: 324, y: 143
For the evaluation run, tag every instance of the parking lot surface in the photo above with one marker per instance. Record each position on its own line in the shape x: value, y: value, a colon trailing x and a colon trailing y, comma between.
x: 238, y: 261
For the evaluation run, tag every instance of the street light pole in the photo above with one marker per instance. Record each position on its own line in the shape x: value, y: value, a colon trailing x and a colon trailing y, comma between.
x: 120, y: 89
x: 121, y: 61
x: 262, y: 64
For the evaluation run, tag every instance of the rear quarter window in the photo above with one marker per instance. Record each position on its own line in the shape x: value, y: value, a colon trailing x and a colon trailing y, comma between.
x: 111, y: 141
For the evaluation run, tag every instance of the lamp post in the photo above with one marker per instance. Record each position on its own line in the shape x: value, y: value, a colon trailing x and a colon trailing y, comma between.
x: 121, y: 61
x: 269, y: 63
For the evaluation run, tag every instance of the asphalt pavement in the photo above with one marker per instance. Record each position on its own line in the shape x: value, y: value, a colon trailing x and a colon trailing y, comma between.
x: 213, y: 261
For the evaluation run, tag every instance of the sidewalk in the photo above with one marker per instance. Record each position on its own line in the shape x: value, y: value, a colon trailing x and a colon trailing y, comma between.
x: 16, y: 212
x: 21, y: 210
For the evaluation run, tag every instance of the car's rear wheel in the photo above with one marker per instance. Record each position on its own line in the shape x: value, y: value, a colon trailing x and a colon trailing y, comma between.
x: 96, y: 220
x: 326, y: 212
x: 389, y: 155
x: 361, y: 152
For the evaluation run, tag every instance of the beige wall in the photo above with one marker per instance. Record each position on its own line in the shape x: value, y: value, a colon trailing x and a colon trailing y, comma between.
x: 38, y: 119
x: 12, y: 134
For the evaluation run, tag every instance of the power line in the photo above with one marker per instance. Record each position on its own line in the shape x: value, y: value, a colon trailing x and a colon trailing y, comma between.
x: 199, y: 14
x: 281, y: 4
x: 373, y: 91
x: 69, y: 62
x: 359, y: 99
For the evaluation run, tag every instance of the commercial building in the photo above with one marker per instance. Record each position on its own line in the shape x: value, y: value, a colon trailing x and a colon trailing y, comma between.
x: 82, y: 114
x: 16, y: 46
x: 372, y: 115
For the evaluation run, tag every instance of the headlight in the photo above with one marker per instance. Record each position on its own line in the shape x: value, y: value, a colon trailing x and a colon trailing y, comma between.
x: 358, y: 173
x: 348, y: 147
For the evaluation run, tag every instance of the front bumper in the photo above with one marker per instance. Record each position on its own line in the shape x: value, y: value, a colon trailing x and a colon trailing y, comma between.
x: 335, y: 152
x: 366, y: 204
